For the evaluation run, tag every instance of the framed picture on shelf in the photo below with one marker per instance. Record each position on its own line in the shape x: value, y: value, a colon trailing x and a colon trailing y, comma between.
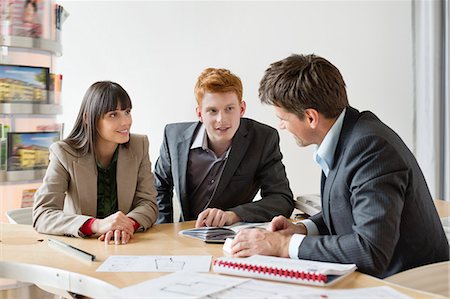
x: 24, y: 84
x: 29, y: 150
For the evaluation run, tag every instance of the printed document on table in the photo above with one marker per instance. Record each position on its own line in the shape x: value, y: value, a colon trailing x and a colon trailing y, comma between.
x: 195, y: 285
x: 156, y: 263
x: 180, y: 285
x: 263, y: 289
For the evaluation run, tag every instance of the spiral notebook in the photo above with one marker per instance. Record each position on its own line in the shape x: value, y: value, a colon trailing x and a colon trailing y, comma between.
x: 284, y: 269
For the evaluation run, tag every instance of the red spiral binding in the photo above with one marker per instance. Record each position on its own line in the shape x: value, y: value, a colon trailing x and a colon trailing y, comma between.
x: 294, y: 274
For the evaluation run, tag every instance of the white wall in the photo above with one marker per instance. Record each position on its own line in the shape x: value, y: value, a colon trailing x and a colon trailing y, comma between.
x: 156, y: 50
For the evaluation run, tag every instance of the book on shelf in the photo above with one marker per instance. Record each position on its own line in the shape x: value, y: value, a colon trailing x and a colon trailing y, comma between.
x: 51, y: 128
x: 4, y: 129
x: 28, y: 197
x: 284, y: 269
x: 219, y: 234
x: 54, y: 88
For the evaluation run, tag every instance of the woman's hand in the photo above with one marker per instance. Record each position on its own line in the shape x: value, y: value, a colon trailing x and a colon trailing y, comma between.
x: 119, y: 237
x: 115, y: 222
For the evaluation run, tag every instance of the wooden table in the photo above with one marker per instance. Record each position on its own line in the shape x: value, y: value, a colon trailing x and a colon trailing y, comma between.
x: 443, y: 207
x: 26, y: 256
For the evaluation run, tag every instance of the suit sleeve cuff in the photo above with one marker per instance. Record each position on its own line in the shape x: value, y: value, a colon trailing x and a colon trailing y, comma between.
x: 294, y: 245
x: 311, y: 227
x: 136, y: 224
x: 86, y: 228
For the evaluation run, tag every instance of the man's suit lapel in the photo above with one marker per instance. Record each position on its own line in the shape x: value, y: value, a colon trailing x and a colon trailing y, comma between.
x: 84, y: 167
x: 183, y: 147
x: 126, y: 184
x: 350, y: 118
x: 238, y: 148
x: 326, y: 197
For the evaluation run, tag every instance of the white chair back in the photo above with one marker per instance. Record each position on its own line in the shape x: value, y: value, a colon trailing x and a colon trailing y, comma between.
x: 20, y: 216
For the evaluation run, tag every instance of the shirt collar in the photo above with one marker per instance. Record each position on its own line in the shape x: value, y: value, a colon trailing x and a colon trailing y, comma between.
x: 201, y: 139
x: 324, y: 154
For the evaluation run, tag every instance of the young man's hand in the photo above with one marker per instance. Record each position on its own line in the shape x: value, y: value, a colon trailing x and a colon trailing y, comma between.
x: 216, y: 217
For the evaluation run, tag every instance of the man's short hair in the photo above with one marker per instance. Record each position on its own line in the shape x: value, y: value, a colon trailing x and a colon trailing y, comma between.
x: 299, y: 82
x: 214, y: 80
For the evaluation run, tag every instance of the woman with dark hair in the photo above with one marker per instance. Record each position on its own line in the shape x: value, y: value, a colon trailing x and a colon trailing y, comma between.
x: 99, y: 180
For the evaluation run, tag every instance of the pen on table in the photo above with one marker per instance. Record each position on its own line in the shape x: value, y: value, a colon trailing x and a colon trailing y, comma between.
x: 71, y: 249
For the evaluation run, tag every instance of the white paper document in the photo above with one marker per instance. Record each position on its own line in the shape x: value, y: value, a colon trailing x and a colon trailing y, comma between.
x: 194, y: 285
x: 180, y: 285
x: 156, y: 263
x: 262, y: 289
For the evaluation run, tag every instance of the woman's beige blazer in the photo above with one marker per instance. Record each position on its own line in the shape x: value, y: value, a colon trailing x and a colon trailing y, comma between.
x: 68, y: 195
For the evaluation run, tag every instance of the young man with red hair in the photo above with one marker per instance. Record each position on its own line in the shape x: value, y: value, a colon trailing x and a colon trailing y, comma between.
x: 218, y: 164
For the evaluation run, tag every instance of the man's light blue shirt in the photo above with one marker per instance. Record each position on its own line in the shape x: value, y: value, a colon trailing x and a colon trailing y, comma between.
x: 324, y: 157
x: 324, y: 154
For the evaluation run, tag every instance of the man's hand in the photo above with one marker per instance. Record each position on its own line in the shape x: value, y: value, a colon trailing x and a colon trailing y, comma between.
x: 273, y: 241
x: 216, y: 217
x: 282, y: 225
x: 260, y: 241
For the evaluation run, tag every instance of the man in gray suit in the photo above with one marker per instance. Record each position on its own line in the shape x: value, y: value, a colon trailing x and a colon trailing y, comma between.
x: 377, y: 211
x: 217, y: 165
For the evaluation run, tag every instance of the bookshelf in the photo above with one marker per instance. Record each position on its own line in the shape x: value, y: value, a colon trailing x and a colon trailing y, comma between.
x: 29, y: 99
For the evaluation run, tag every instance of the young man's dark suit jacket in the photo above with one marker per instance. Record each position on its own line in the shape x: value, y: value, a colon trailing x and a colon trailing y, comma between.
x: 254, y: 162
x: 377, y: 211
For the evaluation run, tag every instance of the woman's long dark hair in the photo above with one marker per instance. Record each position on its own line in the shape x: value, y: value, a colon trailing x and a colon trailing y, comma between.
x: 100, y: 98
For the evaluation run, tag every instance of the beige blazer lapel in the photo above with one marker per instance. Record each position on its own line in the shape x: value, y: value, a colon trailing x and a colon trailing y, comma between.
x: 85, y: 174
x: 126, y: 184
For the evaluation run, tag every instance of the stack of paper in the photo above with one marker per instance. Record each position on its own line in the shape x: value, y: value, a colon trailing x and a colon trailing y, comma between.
x: 219, y: 234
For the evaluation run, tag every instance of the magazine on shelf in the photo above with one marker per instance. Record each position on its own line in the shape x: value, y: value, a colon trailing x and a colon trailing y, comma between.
x: 32, y: 18
x: 59, y: 15
x: 25, y: 18
x: 284, y: 269
x: 219, y: 234
x: 29, y: 150
x: 24, y: 84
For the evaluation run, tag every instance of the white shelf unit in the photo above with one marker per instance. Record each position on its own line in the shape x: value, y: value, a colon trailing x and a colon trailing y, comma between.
x: 24, y: 116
